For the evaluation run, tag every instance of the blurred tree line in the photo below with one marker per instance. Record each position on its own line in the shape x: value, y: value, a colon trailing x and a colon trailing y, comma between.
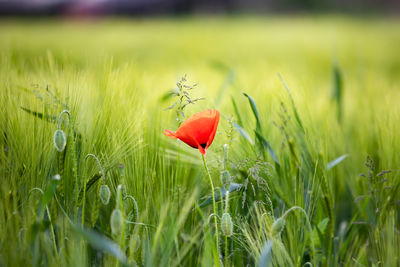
x: 154, y: 7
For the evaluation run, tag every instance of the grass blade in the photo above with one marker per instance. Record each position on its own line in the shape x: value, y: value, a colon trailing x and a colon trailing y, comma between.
x: 255, y: 111
x: 228, y: 81
x: 101, y: 243
x: 296, y: 114
x: 336, y: 161
x: 243, y: 133
x: 337, y: 90
x: 232, y: 188
x: 47, y: 196
x: 265, y: 259
x: 46, y: 117
x: 89, y: 184
x: 267, y: 147
x: 167, y: 95
x: 239, y: 119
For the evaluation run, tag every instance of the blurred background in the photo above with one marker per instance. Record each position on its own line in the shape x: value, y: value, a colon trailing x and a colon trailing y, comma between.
x: 114, y: 63
x: 176, y: 7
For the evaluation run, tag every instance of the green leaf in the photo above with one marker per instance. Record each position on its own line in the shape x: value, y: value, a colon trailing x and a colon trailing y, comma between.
x: 243, y: 133
x: 337, y: 90
x: 232, y: 188
x: 228, y: 81
x: 255, y: 111
x: 89, y: 184
x: 267, y: 147
x: 296, y: 114
x: 319, y: 231
x: 46, y: 117
x: 101, y: 243
x: 34, y: 242
x: 336, y: 161
x: 47, y: 196
x: 239, y: 119
x: 323, y: 224
x: 167, y: 95
x: 218, y: 65
x: 265, y: 258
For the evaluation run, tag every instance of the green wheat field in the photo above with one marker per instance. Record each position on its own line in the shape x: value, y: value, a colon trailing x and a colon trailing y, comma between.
x: 305, y: 162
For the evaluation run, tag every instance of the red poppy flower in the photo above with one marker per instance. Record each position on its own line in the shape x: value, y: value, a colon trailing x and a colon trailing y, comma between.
x: 198, y: 131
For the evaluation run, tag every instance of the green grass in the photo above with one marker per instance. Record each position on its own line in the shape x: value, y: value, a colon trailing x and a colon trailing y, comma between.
x: 342, y: 98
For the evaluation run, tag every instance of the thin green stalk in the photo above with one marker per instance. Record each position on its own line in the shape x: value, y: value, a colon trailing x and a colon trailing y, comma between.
x: 53, y: 236
x: 226, y: 211
x: 74, y: 170
x: 226, y: 251
x: 60, y: 156
x: 73, y: 156
x: 120, y: 205
x: 176, y: 175
x: 214, y: 206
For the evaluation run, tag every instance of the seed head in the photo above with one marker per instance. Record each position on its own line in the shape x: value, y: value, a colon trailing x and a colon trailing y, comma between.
x: 134, y: 242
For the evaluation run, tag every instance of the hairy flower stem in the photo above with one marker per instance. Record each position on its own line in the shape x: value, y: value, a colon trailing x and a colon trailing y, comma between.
x: 60, y: 188
x: 226, y: 211
x: 73, y: 155
x: 226, y: 251
x: 175, y: 181
x: 214, y: 206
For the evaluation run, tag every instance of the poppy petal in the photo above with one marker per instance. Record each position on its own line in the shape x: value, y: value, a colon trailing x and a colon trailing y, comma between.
x: 198, y: 131
x: 202, y: 150
x: 170, y: 134
x: 214, y: 130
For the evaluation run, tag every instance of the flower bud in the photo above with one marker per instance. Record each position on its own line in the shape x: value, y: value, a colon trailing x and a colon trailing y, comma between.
x: 105, y: 194
x: 116, y: 221
x: 134, y: 242
x: 59, y: 140
x: 226, y: 224
x: 278, y: 226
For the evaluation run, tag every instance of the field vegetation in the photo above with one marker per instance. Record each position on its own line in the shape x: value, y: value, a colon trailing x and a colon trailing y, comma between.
x: 305, y: 162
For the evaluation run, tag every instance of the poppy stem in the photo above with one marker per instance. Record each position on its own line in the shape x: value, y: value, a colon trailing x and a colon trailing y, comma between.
x: 226, y: 251
x: 214, y: 206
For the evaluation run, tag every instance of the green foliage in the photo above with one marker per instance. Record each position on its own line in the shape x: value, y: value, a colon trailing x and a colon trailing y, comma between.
x: 93, y: 116
x: 101, y: 243
x: 337, y: 90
